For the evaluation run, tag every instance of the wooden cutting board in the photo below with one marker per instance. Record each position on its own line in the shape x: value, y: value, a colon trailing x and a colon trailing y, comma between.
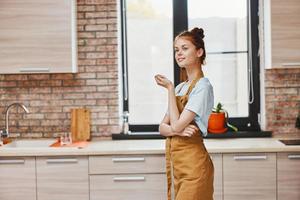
x: 80, y: 124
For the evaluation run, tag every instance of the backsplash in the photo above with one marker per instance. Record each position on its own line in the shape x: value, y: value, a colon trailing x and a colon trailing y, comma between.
x: 49, y: 97
x: 282, y: 101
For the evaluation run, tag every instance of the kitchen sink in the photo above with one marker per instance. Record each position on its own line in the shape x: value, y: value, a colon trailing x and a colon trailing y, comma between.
x: 30, y: 143
x: 291, y: 142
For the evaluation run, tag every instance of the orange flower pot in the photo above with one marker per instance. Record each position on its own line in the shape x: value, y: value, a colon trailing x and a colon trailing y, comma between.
x: 216, y: 123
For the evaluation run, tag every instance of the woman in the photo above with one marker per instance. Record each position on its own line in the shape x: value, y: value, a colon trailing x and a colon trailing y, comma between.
x: 189, y: 106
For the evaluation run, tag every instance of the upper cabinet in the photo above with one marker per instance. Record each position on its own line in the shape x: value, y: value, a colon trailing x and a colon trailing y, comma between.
x: 281, y: 33
x: 38, y: 36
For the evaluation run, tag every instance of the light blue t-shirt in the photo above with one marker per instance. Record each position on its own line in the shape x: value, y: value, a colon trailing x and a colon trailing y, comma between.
x: 201, y: 101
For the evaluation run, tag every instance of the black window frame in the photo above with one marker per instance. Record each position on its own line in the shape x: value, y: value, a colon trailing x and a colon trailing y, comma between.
x: 180, y: 23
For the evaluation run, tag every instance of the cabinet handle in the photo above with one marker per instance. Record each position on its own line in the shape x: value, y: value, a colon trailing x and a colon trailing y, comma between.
x: 129, y: 178
x: 34, y: 69
x: 62, y: 160
x: 18, y: 161
x: 250, y: 157
x: 128, y: 159
x: 294, y: 156
x: 291, y: 64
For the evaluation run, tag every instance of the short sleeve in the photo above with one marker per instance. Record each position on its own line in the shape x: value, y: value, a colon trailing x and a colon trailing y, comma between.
x: 201, y: 103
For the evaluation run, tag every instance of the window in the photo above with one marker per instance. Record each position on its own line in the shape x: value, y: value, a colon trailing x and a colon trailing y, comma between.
x: 231, y: 39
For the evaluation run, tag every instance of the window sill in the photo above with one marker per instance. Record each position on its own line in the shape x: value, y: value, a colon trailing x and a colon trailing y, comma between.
x: 229, y: 134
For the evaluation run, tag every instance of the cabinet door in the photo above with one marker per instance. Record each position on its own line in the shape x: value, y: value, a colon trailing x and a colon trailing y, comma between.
x: 38, y: 36
x: 62, y: 178
x: 128, y: 187
x: 218, y: 176
x: 120, y: 164
x: 288, y: 166
x: 17, y: 178
x: 282, y: 33
x: 249, y: 176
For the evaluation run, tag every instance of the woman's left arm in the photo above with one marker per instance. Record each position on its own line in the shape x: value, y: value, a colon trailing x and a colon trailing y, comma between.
x: 178, y: 121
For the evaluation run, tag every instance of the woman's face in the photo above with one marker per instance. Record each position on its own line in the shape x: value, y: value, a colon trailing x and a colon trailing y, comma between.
x: 186, y: 53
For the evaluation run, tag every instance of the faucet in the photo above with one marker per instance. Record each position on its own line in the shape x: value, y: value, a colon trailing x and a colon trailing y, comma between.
x: 5, y: 133
x: 125, y: 128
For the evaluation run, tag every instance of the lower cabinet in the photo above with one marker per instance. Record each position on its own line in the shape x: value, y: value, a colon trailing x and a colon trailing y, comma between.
x: 128, y: 187
x: 288, y: 177
x: 63, y: 178
x: 127, y: 177
x: 218, y: 176
x: 249, y: 176
x: 17, y: 178
x: 237, y: 176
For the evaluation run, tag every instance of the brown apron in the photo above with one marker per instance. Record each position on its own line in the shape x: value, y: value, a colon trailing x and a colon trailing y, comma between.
x: 189, y: 163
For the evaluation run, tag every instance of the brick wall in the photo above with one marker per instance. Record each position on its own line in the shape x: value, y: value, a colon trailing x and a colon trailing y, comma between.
x: 282, y: 101
x: 50, y: 97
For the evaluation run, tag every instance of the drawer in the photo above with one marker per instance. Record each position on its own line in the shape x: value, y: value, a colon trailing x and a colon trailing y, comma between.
x: 128, y: 187
x: 127, y: 164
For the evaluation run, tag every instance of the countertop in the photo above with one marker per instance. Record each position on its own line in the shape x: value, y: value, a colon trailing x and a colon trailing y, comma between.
x: 119, y: 147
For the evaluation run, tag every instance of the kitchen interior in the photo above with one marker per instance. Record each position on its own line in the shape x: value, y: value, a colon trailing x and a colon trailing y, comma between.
x: 80, y: 121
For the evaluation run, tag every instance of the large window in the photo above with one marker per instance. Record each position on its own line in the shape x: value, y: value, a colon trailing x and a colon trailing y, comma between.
x: 230, y: 27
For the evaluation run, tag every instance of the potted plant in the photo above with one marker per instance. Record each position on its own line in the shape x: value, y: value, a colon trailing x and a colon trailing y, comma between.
x: 217, y: 120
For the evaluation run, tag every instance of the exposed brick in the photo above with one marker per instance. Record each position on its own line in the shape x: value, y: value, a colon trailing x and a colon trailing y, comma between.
x: 55, y: 116
x: 37, y: 90
x: 95, y: 15
x: 96, y: 68
x: 106, y: 7
x: 96, y: 55
x: 62, y: 76
x: 85, y: 76
x: 74, y: 96
x: 97, y: 96
x: 15, y: 77
x: 107, y: 21
x: 85, y: 102
x: 86, y: 62
x: 8, y: 84
x: 107, y: 88
x: 87, y: 49
x: 96, y: 82
x: 96, y: 1
x: 107, y: 48
x: 5, y: 97
x: 86, y: 35
x: 34, y: 116
x: 86, y: 8
x: 50, y: 83
x: 108, y: 61
x: 28, y: 83
x: 38, y: 76
x: 96, y: 41
x: 73, y: 82
x: 282, y: 101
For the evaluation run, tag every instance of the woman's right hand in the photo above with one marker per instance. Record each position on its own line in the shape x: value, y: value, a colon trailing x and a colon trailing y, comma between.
x: 188, y: 131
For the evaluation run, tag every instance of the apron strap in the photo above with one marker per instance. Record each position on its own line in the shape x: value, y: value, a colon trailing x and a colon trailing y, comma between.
x: 191, y: 87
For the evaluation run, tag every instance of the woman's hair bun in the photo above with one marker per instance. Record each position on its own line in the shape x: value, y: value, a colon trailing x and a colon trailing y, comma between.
x: 198, y: 31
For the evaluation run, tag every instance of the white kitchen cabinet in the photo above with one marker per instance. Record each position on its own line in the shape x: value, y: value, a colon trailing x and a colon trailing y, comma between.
x: 17, y: 178
x: 288, y: 176
x: 218, y: 176
x: 38, y: 36
x: 281, y: 33
x: 62, y: 178
x: 249, y: 176
x: 127, y: 177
